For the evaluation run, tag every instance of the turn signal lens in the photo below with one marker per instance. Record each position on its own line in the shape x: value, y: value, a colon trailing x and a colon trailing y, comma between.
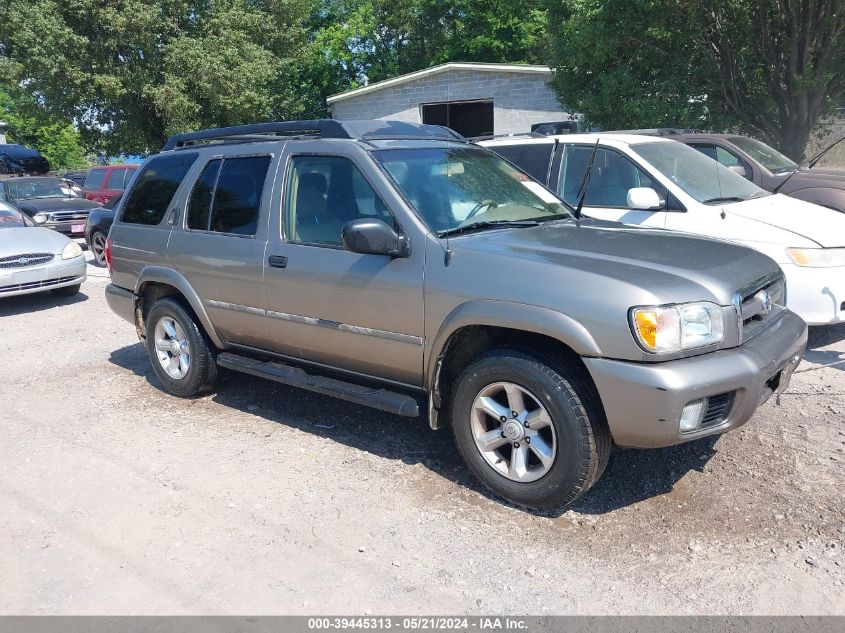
x: 817, y: 257
x: 646, y: 321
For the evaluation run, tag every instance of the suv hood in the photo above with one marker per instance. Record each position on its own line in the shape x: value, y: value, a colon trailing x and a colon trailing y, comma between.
x: 669, y: 264
x: 31, y: 239
x: 823, y: 226
x: 37, y: 205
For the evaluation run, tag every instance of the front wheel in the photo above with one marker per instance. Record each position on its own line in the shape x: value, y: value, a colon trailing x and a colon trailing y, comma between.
x: 181, y: 356
x: 533, y: 434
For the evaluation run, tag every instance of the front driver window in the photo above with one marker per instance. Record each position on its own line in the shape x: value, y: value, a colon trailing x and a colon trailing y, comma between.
x: 611, y: 177
x: 324, y: 193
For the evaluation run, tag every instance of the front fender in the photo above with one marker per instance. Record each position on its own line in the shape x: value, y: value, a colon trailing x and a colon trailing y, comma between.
x: 173, y: 278
x: 822, y: 196
x: 516, y: 316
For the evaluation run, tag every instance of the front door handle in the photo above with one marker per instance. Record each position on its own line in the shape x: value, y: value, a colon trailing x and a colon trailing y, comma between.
x: 278, y: 261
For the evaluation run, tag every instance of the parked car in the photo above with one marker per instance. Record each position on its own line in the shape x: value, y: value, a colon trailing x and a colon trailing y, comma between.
x: 397, y: 266
x: 48, y: 201
x: 18, y: 159
x: 35, y: 259
x: 77, y: 176
x: 97, y: 229
x: 658, y: 182
x: 106, y: 182
x: 766, y: 167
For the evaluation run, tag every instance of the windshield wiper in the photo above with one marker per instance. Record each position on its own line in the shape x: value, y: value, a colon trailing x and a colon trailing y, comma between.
x: 486, y: 224
x: 724, y: 199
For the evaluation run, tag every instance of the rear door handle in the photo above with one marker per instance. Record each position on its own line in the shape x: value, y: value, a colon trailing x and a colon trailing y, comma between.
x: 278, y: 261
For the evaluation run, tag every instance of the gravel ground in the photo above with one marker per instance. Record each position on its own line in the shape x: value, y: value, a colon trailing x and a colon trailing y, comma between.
x: 117, y: 498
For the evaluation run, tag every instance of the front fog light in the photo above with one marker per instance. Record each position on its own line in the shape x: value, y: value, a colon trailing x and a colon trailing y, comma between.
x: 71, y: 250
x: 692, y: 415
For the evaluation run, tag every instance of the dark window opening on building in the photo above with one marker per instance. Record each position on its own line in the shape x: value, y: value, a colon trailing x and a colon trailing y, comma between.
x: 470, y: 118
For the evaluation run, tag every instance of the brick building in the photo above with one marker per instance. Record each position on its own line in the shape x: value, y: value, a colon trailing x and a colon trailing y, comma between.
x: 471, y: 98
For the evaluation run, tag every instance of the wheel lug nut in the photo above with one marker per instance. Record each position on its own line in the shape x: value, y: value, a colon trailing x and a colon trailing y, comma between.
x: 503, y: 434
x: 527, y: 440
x: 503, y: 419
x: 514, y: 414
x: 516, y: 444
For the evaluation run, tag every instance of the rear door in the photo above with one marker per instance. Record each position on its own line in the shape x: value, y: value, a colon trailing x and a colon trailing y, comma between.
x: 613, y: 174
x: 220, y: 236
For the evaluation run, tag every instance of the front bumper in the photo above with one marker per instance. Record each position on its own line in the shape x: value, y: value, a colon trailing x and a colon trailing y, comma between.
x: 55, y: 274
x: 817, y: 295
x: 71, y: 228
x: 643, y: 401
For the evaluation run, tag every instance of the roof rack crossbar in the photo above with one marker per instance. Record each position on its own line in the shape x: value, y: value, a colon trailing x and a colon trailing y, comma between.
x: 327, y: 128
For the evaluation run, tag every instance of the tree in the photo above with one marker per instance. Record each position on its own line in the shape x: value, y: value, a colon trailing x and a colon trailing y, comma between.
x: 132, y: 72
x: 771, y: 68
x: 30, y: 125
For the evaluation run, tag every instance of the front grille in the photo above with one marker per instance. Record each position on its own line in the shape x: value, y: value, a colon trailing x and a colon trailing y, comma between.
x: 34, y: 284
x: 26, y: 259
x: 718, y: 409
x: 67, y: 216
x: 756, y: 313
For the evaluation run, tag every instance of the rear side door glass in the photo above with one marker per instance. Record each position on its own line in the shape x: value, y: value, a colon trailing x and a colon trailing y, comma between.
x: 534, y: 159
x: 95, y: 179
x: 155, y: 187
x: 227, y: 196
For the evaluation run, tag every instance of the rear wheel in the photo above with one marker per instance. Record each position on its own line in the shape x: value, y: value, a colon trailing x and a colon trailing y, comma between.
x: 66, y: 291
x: 98, y: 247
x: 182, y: 358
x: 531, y: 433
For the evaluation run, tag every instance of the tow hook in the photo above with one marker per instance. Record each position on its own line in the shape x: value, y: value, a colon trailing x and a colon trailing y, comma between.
x: 786, y: 376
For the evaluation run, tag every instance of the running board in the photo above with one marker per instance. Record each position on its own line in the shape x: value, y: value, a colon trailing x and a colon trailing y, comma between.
x: 375, y: 397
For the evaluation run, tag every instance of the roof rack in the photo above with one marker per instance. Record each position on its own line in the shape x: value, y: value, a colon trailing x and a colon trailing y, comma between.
x: 490, y: 137
x: 658, y: 131
x: 322, y: 128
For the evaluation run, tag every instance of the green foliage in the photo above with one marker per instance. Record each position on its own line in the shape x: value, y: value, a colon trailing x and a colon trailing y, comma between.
x: 771, y: 68
x: 30, y: 125
x: 131, y: 72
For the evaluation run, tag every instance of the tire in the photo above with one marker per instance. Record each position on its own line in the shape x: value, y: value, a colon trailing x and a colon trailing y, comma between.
x: 97, y: 245
x: 564, y: 408
x: 66, y: 291
x: 191, y: 360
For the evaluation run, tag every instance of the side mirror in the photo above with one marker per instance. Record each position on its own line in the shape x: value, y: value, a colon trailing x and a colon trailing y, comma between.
x: 644, y: 199
x: 739, y: 169
x: 373, y: 237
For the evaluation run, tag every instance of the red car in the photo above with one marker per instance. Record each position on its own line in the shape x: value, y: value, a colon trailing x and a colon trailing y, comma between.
x: 104, y: 183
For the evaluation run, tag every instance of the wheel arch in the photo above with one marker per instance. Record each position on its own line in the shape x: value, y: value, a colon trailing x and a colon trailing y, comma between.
x: 477, y: 326
x: 155, y: 282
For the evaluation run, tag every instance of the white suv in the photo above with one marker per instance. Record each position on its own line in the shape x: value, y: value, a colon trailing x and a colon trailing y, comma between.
x: 662, y: 183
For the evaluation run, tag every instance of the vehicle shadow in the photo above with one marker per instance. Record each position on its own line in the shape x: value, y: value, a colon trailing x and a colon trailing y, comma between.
x: 631, y: 476
x: 24, y: 304
x: 820, y: 337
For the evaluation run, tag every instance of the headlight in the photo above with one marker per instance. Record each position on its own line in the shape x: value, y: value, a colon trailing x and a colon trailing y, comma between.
x: 39, y: 218
x: 672, y: 328
x: 817, y: 257
x: 71, y: 250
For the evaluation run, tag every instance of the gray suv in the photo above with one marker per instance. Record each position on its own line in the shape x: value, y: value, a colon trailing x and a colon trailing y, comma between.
x: 397, y: 266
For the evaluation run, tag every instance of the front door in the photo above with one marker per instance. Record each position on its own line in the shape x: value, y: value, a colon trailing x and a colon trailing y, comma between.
x: 325, y: 304
x: 611, y: 177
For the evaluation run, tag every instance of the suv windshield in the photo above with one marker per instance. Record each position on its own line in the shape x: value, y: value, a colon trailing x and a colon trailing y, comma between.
x: 701, y: 177
x: 453, y: 187
x: 767, y: 156
x: 41, y: 188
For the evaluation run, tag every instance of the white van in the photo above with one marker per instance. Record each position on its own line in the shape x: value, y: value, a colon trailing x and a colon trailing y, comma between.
x: 659, y: 182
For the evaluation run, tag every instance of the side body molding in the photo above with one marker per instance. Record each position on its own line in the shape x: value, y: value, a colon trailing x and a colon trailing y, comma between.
x: 171, y: 277
x: 517, y: 316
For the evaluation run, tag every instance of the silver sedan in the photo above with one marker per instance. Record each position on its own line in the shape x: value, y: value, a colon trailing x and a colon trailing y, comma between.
x: 35, y: 259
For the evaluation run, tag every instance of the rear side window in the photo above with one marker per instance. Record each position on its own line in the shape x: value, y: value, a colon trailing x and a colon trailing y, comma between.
x: 119, y: 178
x: 155, y: 187
x: 227, y: 196
x: 95, y: 179
x: 533, y: 159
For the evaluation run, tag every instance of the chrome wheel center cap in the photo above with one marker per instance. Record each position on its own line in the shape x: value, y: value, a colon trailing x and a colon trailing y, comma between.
x: 175, y: 348
x: 513, y: 430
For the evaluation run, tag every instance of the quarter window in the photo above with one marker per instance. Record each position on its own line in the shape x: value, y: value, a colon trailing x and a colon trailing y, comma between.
x: 155, y: 187
x: 532, y: 158
x: 325, y: 192
x: 227, y: 196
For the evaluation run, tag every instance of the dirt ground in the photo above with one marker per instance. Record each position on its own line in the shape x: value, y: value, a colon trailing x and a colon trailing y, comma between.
x: 117, y: 498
